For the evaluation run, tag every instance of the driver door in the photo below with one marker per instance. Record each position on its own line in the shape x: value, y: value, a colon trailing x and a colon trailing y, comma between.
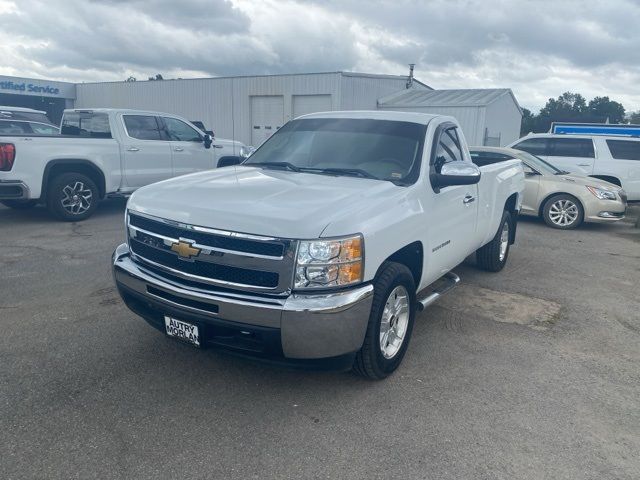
x: 188, y: 151
x: 455, y: 208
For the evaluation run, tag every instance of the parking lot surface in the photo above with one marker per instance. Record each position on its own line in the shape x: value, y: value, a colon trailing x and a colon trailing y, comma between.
x: 530, y: 373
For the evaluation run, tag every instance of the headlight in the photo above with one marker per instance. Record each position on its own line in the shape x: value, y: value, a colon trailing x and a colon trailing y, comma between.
x: 245, y: 152
x: 329, y: 263
x: 602, y: 194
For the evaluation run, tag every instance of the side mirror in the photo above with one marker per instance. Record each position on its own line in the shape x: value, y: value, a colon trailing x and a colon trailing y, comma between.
x: 207, y: 140
x: 228, y: 161
x: 456, y: 173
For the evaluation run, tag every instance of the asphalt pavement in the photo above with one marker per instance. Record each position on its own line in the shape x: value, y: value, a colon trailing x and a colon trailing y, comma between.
x: 530, y: 373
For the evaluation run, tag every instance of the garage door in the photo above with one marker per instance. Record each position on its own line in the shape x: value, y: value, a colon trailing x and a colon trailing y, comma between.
x: 267, y: 115
x: 303, y: 104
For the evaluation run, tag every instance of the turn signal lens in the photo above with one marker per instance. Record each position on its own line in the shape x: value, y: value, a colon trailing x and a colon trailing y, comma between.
x: 350, y: 273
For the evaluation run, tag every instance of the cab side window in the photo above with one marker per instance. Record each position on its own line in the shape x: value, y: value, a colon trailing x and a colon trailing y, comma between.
x: 180, y: 131
x: 448, y: 149
x: 534, y: 146
x: 143, y: 127
x: 571, y: 147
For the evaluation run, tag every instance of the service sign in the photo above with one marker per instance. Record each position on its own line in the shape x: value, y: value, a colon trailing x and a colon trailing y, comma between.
x: 45, y: 88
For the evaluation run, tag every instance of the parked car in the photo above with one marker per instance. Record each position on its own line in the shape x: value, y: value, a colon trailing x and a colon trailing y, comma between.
x: 323, y: 244
x: 103, y: 152
x: 19, y: 121
x: 563, y: 200
x: 612, y: 158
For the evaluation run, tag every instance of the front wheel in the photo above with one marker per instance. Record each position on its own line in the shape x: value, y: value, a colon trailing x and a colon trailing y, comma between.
x: 72, y: 197
x: 563, y: 211
x: 390, y: 323
x: 493, y: 256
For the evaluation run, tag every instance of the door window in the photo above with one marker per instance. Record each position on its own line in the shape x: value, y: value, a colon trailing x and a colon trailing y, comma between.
x: 624, y: 149
x: 448, y: 149
x: 535, y: 146
x: 571, y: 147
x: 13, y: 128
x: 180, y: 131
x: 143, y: 127
x: 44, y: 129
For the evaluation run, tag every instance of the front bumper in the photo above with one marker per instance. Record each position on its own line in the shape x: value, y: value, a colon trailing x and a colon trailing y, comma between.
x: 309, y: 326
x: 13, y: 190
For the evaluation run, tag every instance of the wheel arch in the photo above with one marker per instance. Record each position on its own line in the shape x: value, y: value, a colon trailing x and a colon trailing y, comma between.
x: 63, y: 165
x: 412, y: 257
x: 546, y: 199
x: 511, y: 206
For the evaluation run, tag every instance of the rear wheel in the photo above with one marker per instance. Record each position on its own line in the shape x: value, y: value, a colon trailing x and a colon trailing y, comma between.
x: 390, y: 323
x: 563, y: 211
x: 72, y: 197
x: 20, y: 204
x: 493, y: 256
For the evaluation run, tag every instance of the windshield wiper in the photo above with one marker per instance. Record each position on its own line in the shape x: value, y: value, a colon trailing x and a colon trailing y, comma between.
x: 348, y: 171
x: 285, y: 165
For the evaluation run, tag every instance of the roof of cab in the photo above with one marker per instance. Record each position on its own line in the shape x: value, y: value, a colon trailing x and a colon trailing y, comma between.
x: 414, y: 117
x: 117, y: 110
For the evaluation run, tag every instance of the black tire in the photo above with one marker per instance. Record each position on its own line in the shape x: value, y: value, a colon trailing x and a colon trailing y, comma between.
x: 556, y: 200
x: 370, y: 361
x: 491, y: 257
x: 20, y: 204
x: 60, y: 197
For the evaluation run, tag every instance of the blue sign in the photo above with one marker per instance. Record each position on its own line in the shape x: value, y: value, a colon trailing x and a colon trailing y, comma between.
x: 596, y: 129
x: 29, y: 87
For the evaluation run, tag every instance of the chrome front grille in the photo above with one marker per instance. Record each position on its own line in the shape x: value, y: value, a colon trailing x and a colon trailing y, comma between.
x: 224, y: 259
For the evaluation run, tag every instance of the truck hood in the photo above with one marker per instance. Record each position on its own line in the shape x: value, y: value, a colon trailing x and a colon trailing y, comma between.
x: 261, y: 201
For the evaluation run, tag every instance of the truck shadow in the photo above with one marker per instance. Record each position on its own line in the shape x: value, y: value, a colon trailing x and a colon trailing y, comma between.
x: 39, y: 214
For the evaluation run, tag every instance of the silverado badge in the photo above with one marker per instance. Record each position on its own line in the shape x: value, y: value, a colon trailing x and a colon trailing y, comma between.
x: 185, y: 249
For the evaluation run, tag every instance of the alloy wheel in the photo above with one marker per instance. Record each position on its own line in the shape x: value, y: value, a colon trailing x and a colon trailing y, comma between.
x: 394, y: 322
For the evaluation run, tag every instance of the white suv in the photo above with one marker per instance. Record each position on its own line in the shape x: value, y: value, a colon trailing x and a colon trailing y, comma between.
x: 615, y: 159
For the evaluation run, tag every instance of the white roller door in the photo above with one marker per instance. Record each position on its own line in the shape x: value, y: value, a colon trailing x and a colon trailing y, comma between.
x: 303, y: 104
x: 267, y: 115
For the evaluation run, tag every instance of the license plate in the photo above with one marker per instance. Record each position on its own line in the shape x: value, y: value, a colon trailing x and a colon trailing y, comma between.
x: 182, y: 330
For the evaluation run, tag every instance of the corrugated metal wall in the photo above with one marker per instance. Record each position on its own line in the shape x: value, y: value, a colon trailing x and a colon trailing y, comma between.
x: 504, y: 120
x: 223, y: 104
x: 471, y: 119
x: 362, y: 92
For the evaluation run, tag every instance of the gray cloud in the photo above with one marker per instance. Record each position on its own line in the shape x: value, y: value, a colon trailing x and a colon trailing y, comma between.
x: 539, y: 48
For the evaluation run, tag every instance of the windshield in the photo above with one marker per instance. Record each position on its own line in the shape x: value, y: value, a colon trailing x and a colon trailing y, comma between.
x: 380, y: 149
x: 539, y: 164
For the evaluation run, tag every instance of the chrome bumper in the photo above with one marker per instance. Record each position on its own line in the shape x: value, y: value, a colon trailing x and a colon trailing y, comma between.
x: 311, y: 326
x: 13, y: 190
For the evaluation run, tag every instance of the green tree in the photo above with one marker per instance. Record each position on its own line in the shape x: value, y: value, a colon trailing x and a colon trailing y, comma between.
x: 634, y: 117
x: 528, y: 122
x: 604, y: 108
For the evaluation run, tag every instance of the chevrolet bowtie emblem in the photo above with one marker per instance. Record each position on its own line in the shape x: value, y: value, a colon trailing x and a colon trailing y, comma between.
x: 185, y: 249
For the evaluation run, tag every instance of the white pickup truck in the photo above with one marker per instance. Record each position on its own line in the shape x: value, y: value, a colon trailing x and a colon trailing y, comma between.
x: 323, y: 244
x: 103, y: 152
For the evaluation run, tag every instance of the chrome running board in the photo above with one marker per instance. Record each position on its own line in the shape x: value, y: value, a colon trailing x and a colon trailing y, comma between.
x: 451, y: 280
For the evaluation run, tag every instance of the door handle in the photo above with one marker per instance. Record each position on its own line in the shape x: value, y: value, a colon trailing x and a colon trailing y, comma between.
x: 178, y: 149
x: 468, y: 199
x: 133, y: 149
x: 217, y: 146
x: 584, y: 164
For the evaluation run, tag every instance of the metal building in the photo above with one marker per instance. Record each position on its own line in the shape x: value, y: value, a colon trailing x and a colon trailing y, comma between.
x: 488, y: 116
x: 48, y: 95
x: 249, y: 108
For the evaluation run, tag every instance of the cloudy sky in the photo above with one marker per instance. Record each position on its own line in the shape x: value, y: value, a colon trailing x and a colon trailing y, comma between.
x: 538, y: 48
